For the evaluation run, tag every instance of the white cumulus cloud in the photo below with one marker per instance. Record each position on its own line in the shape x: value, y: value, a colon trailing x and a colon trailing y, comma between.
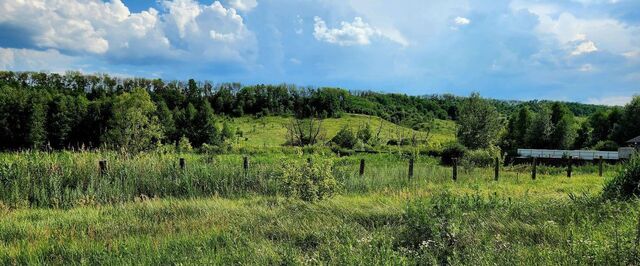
x: 244, y: 5
x: 566, y: 29
x: 26, y: 59
x: 585, y: 48
x: 357, y: 32
x: 183, y: 30
x: 461, y: 21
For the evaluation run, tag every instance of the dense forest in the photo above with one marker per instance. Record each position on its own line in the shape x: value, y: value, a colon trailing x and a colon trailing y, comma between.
x: 54, y: 111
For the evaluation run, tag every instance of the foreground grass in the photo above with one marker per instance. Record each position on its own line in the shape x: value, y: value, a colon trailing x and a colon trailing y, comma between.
x: 214, y: 213
x: 343, y: 230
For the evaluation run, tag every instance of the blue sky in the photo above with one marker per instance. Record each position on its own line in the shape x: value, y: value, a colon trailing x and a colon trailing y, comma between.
x: 574, y: 50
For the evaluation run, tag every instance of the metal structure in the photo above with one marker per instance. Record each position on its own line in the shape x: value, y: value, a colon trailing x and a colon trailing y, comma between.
x: 635, y: 142
x: 576, y: 154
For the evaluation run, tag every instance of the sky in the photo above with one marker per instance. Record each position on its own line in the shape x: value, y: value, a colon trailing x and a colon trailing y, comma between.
x: 573, y: 50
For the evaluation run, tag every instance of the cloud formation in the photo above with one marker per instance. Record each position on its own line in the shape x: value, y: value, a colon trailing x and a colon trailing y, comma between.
x: 185, y: 29
x: 461, y: 21
x: 350, y: 33
x: 585, y: 48
x: 244, y: 5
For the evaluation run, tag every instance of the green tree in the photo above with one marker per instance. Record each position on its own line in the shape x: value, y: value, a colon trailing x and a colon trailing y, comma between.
x: 478, y: 123
x: 539, y: 134
x: 522, y: 124
x: 185, y: 122
x: 563, y: 135
x: 205, y: 126
x: 629, y: 122
x: 133, y: 126
x: 602, y: 128
x: 516, y: 135
x: 193, y: 91
x: 364, y: 133
x: 583, y: 136
x: 345, y: 138
x: 60, y: 121
x: 227, y: 131
x: 167, y: 123
x: 37, y: 131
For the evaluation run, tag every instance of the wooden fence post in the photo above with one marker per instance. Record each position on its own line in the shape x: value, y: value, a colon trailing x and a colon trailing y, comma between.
x: 534, y: 168
x: 245, y: 164
x: 361, y: 167
x: 103, y: 167
x: 183, y: 163
x: 455, y: 168
x: 410, y: 168
x: 569, y: 166
x: 600, y: 168
x: 497, y: 169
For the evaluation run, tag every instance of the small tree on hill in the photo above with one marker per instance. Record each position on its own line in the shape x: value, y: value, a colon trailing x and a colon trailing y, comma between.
x: 345, y: 138
x: 301, y: 132
x: 364, y: 133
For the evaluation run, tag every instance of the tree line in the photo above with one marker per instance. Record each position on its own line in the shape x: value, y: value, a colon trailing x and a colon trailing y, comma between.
x: 554, y: 126
x: 484, y: 131
x: 72, y: 110
x: 56, y: 111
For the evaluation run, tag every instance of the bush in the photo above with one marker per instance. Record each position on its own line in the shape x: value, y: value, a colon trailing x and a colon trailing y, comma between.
x: 428, y: 228
x: 345, y: 138
x: 215, y: 149
x: 626, y: 184
x: 608, y: 145
x: 184, y: 145
x: 452, y: 150
x: 364, y: 133
x: 308, y: 182
x: 479, y: 158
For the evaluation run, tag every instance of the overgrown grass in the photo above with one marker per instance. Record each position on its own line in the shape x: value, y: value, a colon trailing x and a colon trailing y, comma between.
x: 343, y: 230
x: 67, y: 179
x: 56, y: 208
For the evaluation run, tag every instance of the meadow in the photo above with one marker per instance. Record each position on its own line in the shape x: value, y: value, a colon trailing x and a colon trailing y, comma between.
x: 58, y: 208
x: 270, y: 131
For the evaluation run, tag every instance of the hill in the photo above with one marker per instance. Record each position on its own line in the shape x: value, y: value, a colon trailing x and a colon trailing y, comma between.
x: 270, y: 131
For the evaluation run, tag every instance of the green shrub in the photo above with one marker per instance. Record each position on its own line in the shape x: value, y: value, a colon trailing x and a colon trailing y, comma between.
x: 184, y: 145
x: 345, y: 138
x: 308, y: 182
x: 215, y: 149
x: 479, y: 158
x: 428, y: 228
x: 626, y: 184
x: 364, y: 133
x: 452, y: 150
x: 608, y: 145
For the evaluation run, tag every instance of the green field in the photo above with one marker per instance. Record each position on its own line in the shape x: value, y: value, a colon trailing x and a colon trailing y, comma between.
x: 57, y: 209
x: 270, y: 131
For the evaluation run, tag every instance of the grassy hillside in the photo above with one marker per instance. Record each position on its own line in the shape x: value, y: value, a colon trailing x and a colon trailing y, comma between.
x: 270, y: 131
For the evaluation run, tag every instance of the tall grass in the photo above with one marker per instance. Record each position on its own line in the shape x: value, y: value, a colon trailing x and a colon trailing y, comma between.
x: 345, y: 230
x: 67, y: 179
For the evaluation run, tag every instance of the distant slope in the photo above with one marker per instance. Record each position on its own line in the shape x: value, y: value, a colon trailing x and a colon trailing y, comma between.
x: 270, y: 131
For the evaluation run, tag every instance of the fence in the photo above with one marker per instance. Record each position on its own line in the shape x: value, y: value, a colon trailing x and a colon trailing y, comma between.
x: 576, y: 154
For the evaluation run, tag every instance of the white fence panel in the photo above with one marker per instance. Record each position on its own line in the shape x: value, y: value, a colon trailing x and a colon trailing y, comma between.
x: 558, y: 154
